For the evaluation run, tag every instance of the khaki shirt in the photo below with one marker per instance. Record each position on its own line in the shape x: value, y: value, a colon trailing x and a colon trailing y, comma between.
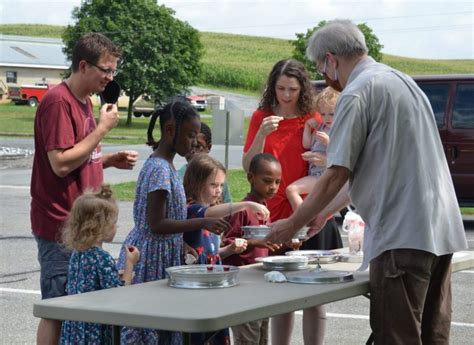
x: 385, y: 133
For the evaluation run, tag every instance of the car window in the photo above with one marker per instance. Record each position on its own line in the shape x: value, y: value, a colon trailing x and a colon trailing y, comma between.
x: 438, y: 97
x: 463, y: 111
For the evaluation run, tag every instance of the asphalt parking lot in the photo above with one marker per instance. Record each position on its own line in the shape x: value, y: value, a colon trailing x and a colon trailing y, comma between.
x: 19, y: 270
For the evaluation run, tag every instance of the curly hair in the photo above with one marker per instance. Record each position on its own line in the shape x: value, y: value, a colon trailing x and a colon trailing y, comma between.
x: 198, y: 171
x: 93, y: 215
x: 292, y: 69
x: 328, y: 96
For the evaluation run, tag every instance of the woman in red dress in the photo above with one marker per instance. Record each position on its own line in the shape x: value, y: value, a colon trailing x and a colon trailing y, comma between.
x: 277, y: 127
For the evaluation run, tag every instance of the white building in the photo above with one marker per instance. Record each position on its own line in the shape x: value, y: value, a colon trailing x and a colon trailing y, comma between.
x: 30, y: 60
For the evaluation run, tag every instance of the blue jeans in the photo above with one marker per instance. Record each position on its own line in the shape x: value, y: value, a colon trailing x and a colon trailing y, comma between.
x: 54, y: 261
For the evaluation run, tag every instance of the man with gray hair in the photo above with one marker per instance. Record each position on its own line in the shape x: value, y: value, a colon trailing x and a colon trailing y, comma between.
x: 384, y: 140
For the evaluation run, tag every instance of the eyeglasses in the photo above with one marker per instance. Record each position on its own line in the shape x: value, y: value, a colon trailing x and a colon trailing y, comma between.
x: 111, y: 72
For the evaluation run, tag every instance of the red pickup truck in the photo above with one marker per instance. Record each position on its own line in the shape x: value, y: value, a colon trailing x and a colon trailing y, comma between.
x: 29, y: 94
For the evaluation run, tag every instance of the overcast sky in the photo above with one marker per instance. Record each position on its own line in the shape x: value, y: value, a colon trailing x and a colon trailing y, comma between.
x: 433, y: 29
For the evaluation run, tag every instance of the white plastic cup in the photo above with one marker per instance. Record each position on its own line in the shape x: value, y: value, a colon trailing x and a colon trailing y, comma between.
x: 239, y: 242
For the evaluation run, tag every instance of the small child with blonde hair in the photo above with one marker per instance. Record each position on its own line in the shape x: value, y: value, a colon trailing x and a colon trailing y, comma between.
x: 315, y: 139
x: 91, y: 222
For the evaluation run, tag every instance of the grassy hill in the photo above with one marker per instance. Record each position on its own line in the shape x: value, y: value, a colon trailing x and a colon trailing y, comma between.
x: 243, y: 62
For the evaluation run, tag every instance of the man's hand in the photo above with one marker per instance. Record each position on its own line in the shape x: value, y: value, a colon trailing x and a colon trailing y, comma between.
x: 282, y: 231
x: 108, y: 117
x: 123, y: 159
x: 316, y: 225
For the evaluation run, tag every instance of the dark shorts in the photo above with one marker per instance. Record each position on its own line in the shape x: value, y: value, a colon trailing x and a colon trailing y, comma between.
x: 54, y: 262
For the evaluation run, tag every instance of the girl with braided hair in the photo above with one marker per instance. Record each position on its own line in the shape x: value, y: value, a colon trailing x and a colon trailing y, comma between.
x: 160, y: 212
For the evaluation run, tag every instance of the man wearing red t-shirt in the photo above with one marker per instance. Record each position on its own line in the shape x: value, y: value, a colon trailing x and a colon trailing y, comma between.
x: 68, y: 159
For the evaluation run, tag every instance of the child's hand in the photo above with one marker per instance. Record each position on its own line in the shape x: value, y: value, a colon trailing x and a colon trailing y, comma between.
x: 132, y: 254
x: 314, y: 158
x: 190, y: 254
x: 238, y: 247
x: 261, y: 211
x: 216, y: 225
x: 312, y: 123
x: 322, y: 137
x: 265, y: 244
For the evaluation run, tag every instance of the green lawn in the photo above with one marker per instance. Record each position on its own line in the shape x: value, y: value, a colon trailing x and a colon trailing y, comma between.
x: 238, y: 184
x: 17, y: 120
x: 236, y: 179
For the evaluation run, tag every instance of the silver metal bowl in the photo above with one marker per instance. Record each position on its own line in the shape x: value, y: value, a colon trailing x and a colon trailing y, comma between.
x: 261, y: 231
x: 255, y: 232
x: 202, y: 276
x: 283, y: 263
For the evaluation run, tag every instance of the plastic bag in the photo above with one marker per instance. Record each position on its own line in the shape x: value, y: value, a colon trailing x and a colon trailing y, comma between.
x: 354, y: 225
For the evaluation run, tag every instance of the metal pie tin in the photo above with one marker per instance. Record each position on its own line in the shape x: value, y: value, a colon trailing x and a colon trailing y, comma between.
x: 319, y: 277
x: 321, y: 256
x: 202, y: 276
x: 261, y: 231
x: 283, y: 263
x: 256, y: 232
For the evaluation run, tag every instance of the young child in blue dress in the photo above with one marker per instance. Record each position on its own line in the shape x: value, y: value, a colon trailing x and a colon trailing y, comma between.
x: 159, y: 210
x: 91, y: 222
x: 203, y: 183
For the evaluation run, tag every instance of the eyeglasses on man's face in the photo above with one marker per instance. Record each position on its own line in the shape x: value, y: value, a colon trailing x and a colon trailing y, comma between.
x: 110, y: 72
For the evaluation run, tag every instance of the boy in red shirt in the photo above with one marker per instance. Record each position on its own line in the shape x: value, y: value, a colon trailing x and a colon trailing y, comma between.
x: 264, y: 177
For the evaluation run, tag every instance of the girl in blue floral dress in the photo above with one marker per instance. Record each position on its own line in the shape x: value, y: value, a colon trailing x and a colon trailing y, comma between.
x: 91, y: 222
x: 159, y: 210
x: 203, y: 182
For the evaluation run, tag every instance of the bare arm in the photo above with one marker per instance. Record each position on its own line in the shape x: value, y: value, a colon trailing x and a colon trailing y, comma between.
x: 268, y: 125
x: 132, y: 256
x: 307, y: 133
x: 63, y: 162
x: 324, y: 191
x: 224, y: 210
x: 159, y: 224
x: 120, y: 160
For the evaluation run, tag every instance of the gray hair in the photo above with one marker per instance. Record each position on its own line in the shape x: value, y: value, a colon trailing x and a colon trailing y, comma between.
x: 340, y: 37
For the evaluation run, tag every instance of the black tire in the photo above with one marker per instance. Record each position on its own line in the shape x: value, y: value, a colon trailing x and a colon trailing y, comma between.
x: 32, y: 101
x: 137, y: 114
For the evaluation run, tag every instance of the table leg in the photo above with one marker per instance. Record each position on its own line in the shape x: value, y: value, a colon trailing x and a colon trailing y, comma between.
x: 116, y: 335
x: 371, y: 336
x: 186, y: 338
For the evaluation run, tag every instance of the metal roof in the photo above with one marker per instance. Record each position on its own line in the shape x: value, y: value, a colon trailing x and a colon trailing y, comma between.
x: 36, y: 52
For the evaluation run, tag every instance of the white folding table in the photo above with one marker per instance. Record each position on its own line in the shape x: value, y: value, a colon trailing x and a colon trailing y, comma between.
x: 159, y: 306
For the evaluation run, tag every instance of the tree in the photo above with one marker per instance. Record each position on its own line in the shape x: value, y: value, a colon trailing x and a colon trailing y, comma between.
x: 301, y: 42
x: 160, y: 53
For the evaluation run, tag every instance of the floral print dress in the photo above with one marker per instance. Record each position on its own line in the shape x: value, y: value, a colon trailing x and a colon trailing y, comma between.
x: 203, y: 241
x: 89, y: 270
x: 157, y: 252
